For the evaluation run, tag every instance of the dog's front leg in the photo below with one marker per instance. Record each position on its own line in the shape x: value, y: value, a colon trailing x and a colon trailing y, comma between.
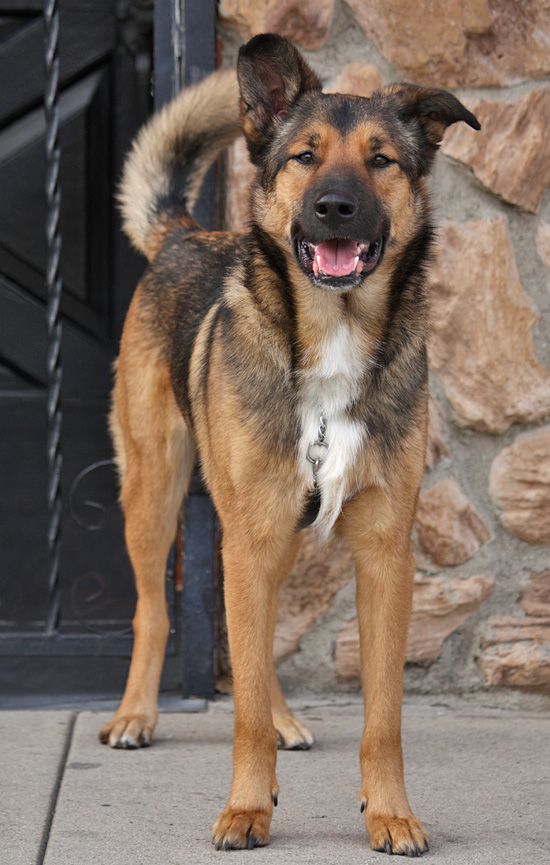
x: 378, y: 529
x: 250, y: 579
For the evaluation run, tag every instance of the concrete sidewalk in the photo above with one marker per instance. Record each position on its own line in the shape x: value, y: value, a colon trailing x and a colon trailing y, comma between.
x: 480, y: 781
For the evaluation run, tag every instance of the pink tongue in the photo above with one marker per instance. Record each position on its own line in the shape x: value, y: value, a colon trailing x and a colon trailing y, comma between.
x: 336, y: 257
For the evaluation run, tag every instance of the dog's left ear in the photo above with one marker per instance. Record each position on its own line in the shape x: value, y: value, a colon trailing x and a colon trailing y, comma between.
x: 272, y: 76
x: 432, y: 111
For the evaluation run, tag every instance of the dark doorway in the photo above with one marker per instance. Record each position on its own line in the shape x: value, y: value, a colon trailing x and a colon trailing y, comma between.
x: 107, y: 53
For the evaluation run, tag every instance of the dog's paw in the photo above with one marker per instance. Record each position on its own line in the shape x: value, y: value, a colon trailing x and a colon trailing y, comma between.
x: 128, y: 731
x: 402, y: 835
x: 292, y: 735
x: 241, y: 829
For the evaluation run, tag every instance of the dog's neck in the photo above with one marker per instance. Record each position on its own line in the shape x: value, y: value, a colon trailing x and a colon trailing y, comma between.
x: 323, y: 328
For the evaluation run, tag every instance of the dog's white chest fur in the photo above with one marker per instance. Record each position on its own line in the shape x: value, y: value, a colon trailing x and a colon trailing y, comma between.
x: 328, y: 389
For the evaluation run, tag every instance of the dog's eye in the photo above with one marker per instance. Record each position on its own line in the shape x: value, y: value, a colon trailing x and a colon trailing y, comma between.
x: 380, y: 161
x: 305, y: 158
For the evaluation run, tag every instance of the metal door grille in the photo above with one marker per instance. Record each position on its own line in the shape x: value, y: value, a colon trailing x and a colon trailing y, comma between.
x: 184, y: 51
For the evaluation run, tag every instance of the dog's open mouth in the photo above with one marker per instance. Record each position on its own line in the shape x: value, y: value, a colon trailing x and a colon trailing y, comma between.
x: 339, y: 262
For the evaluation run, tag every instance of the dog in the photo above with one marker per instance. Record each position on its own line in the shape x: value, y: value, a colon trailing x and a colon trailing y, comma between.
x: 292, y: 359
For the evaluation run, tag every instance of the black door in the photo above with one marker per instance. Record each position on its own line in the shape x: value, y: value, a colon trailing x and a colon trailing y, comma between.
x: 104, y: 94
x: 76, y: 600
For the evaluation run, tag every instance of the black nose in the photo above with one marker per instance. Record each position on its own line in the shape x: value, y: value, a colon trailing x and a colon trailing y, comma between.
x: 335, y: 208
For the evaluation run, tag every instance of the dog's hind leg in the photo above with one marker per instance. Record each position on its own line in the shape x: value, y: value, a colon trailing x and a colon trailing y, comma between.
x: 293, y: 735
x: 155, y: 453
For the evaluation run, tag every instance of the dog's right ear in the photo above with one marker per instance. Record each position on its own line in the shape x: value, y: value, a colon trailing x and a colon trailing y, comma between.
x: 272, y: 76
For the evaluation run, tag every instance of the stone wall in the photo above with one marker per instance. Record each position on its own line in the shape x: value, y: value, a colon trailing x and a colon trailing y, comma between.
x: 481, y: 620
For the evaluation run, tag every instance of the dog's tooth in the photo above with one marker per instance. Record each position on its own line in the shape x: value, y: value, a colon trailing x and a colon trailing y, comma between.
x: 316, y: 267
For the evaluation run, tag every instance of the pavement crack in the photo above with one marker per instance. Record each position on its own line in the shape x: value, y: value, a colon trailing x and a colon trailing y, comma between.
x: 42, y: 850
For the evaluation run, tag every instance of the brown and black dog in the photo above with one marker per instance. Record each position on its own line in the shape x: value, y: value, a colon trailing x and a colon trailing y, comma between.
x: 293, y: 359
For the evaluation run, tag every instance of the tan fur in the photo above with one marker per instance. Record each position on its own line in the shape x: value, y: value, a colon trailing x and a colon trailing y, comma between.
x: 258, y: 549
x: 211, y: 109
x: 377, y: 525
x: 259, y: 544
x: 243, y: 364
x: 155, y: 455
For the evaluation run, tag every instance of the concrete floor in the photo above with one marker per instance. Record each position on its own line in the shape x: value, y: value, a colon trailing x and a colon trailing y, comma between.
x: 479, y: 780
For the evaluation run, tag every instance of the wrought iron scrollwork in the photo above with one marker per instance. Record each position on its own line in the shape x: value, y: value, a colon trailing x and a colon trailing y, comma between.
x: 90, y: 592
x: 98, y: 509
x: 53, y: 295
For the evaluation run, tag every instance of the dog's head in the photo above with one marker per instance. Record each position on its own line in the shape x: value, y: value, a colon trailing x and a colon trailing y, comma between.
x: 341, y: 177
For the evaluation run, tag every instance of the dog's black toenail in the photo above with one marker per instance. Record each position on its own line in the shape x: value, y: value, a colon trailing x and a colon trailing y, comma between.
x: 252, y: 841
x: 363, y: 806
x: 275, y: 799
x: 387, y: 847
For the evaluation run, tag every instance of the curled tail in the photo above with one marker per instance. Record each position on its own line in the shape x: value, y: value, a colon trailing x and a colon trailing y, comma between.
x: 171, y: 155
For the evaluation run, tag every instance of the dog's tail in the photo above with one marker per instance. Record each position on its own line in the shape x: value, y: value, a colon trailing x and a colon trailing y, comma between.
x: 164, y: 171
